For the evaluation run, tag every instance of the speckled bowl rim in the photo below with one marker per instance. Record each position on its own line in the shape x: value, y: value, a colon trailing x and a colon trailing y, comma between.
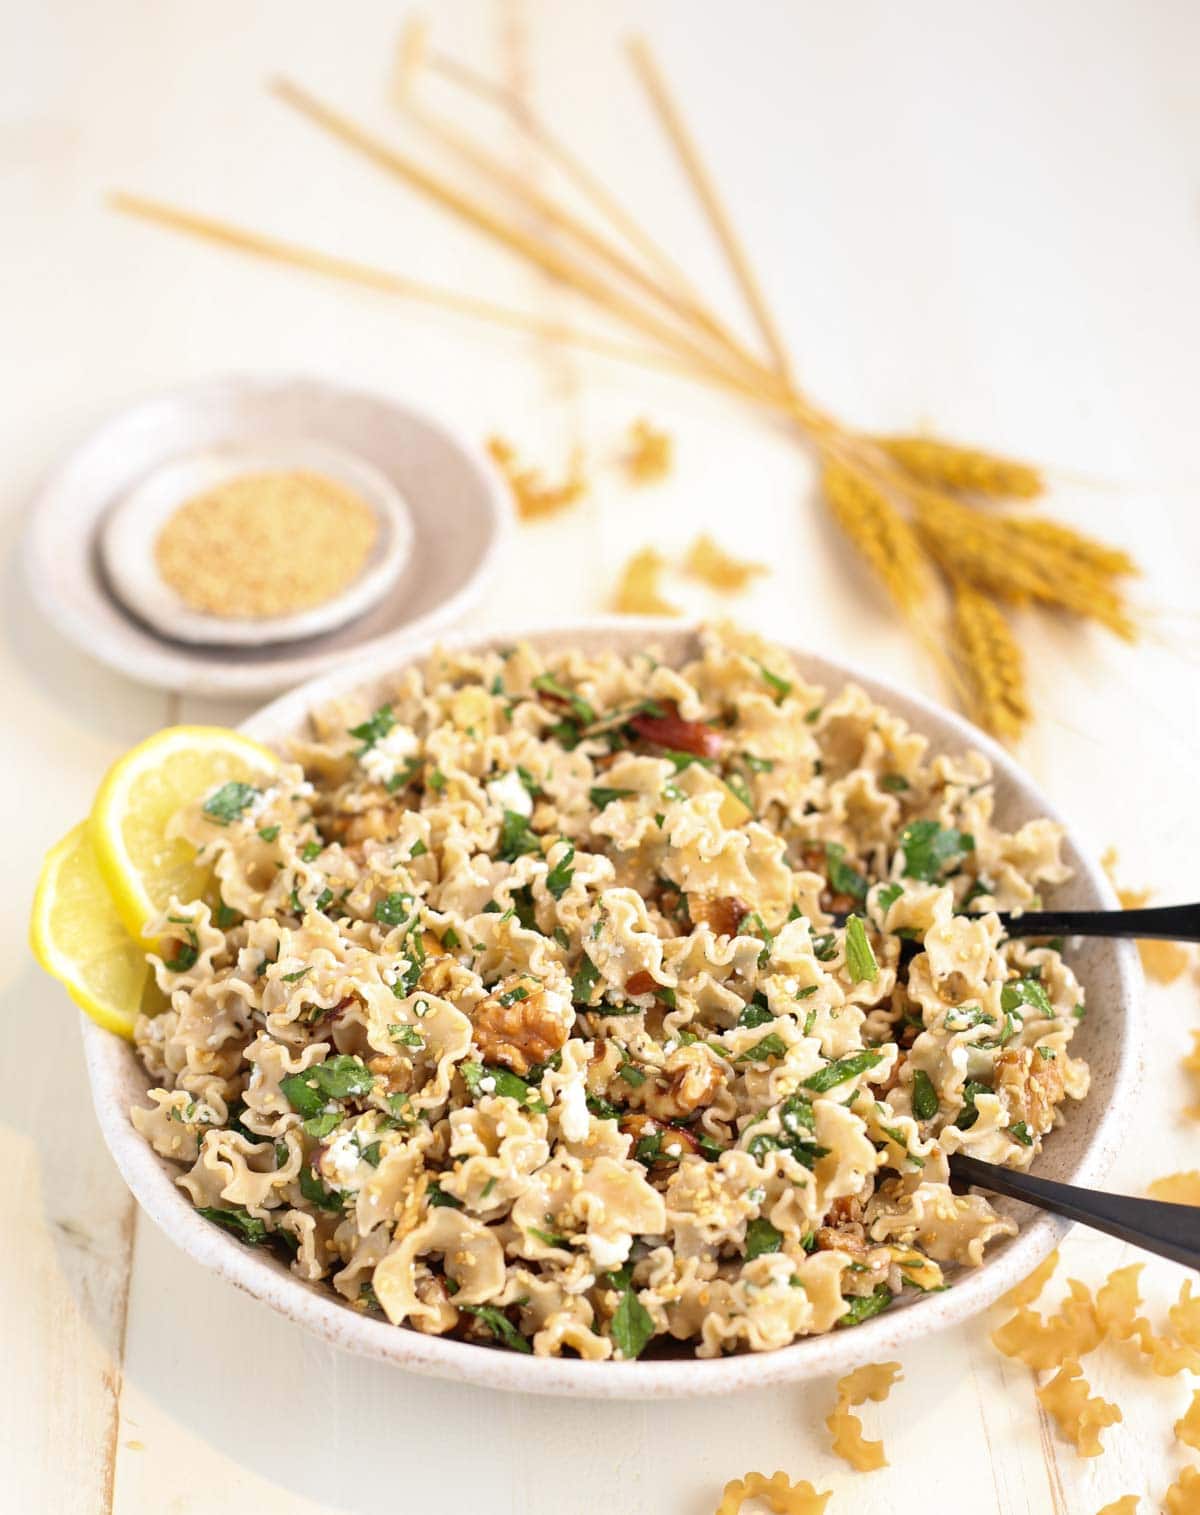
x: 115, y: 1076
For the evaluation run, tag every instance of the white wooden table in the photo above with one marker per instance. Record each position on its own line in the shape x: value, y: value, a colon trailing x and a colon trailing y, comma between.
x: 983, y: 216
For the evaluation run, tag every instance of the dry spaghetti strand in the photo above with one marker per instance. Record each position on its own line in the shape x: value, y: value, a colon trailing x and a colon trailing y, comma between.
x: 946, y: 465
x: 991, y: 663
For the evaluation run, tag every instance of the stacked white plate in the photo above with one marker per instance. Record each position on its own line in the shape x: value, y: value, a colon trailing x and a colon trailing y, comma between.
x: 440, y: 515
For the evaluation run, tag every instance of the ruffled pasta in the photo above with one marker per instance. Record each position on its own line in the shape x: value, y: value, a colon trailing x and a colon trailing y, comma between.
x: 563, y: 1003
x: 871, y: 1382
x: 778, y: 1493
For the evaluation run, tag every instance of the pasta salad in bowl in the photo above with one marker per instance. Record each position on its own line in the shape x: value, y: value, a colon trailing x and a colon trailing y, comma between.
x: 596, y: 1011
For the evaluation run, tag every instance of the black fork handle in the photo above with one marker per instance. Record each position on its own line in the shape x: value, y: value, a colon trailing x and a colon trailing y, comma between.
x: 1170, y: 923
x: 1167, y: 1230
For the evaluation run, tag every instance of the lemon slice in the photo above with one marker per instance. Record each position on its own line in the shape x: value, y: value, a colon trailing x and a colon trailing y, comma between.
x: 77, y: 935
x: 142, y: 866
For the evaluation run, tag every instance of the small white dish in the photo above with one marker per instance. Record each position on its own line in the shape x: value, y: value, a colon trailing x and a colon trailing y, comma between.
x: 459, y: 510
x: 1110, y: 1039
x: 130, y: 533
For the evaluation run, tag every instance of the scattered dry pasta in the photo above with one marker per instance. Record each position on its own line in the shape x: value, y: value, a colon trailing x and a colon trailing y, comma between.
x: 637, y: 590
x: 778, y: 1492
x: 1183, y: 1497
x: 1030, y: 1287
x: 1043, y: 1343
x: 871, y: 1382
x: 1080, y: 1417
x: 1187, y: 1427
x: 1164, y: 962
x: 1126, y: 1505
x: 1177, y: 1188
x: 1191, y: 1066
x: 650, y: 455
x: 533, y: 497
x: 707, y: 560
x: 573, y: 1003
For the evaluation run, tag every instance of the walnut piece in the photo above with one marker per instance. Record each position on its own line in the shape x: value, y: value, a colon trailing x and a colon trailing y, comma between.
x: 1033, y: 1083
x: 515, y: 1025
x: 724, y: 915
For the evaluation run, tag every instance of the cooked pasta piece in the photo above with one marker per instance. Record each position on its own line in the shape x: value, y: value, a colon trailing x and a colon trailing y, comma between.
x: 572, y: 1003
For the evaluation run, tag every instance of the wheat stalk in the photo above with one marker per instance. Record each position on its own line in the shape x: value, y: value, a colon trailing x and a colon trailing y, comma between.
x: 881, y: 534
x: 990, y: 662
x: 946, y: 465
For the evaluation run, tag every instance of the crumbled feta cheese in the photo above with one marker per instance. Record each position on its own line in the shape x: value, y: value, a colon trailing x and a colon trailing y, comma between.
x: 669, y: 1047
x: 488, y: 1084
x: 383, y: 759
x: 341, y: 1158
x: 259, y: 803
x: 510, y: 794
x: 608, y: 1252
x: 674, y: 1150
x: 573, y: 1120
x: 557, y: 1003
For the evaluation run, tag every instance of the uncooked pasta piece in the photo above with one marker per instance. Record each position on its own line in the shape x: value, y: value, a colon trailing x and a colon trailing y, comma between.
x: 1030, y: 1287
x: 1043, y: 1343
x: 1177, y: 1188
x: 1183, y: 1497
x: 871, y: 1382
x: 778, y: 1493
x: 1079, y: 1416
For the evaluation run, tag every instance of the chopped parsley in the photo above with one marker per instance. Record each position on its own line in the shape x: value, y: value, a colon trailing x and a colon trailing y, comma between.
x: 841, y: 1070
x: 779, y: 687
x: 437, y: 1197
x: 968, y: 1115
x: 761, y: 1238
x: 394, y: 909
x: 246, y: 1227
x: 772, y: 1045
x: 268, y: 833
x: 374, y: 729
x: 587, y: 975
x: 924, y: 1096
x: 631, y: 1327
x: 504, y: 1081
x: 558, y: 880
x: 755, y: 1014
x: 842, y: 877
x: 310, y: 850
x: 1019, y: 1131
x: 860, y: 960
x: 866, y: 1305
x: 229, y: 801
x: 894, y: 783
x: 601, y: 796
x: 1025, y: 991
x: 516, y: 838
x: 502, y: 1329
x: 336, y: 1078
x: 583, y: 712
x: 930, y: 851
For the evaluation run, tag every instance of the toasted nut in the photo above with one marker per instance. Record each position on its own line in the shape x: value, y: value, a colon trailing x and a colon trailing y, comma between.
x: 724, y: 915
x: 515, y: 1026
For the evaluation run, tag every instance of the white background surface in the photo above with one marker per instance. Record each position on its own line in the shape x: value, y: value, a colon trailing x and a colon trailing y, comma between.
x: 984, y: 217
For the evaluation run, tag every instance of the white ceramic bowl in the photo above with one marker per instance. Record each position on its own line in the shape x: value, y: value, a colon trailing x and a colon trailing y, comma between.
x: 1078, y: 1153
x: 458, y: 509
